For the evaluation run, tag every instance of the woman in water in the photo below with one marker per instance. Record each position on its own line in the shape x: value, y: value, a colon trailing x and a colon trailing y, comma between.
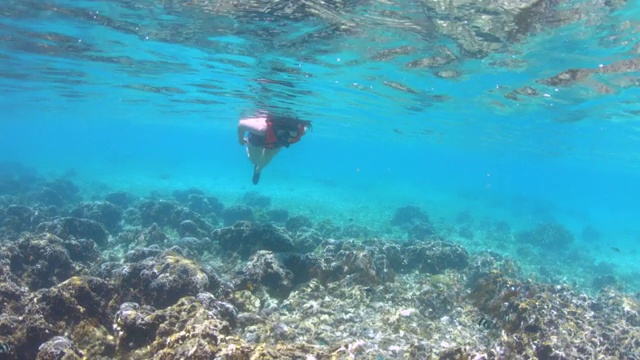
x: 266, y: 136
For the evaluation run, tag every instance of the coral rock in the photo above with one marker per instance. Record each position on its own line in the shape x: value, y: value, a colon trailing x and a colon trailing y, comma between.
x: 59, y: 348
x: 160, y: 281
x: 236, y: 213
x: 103, y: 212
x: 407, y: 214
x: 435, y: 257
x: 245, y: 237
x: 264, y: 267
x: 70, y: 227
x: 45, y: 260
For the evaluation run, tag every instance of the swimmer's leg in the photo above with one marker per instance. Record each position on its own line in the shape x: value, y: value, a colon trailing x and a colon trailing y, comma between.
x: 260, y: 157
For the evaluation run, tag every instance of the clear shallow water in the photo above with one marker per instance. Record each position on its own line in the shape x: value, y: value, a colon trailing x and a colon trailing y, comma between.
x: 412, y: 103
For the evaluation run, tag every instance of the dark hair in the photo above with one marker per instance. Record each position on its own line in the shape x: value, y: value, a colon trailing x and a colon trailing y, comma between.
x: 288, y: 123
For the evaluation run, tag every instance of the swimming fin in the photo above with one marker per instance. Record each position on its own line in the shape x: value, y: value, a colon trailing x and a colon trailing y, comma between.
x: 256, y: 175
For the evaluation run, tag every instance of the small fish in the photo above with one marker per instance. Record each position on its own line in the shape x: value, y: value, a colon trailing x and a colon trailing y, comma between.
x: 532, y: 328
x: 4, y: 348
x: 616, y: 249
x: 399, y: 86
x: 487, y: 324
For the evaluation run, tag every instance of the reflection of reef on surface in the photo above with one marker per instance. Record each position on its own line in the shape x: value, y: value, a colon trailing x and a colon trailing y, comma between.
x: 136, y: 278
x: 488, y: 27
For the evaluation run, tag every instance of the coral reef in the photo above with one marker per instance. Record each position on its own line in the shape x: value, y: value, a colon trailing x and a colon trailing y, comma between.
x: 295, y: 223
x: 277, y: 215
x: 121, y: 199
x: 16, y: 178
x: 354, y: 231
x: 158, y: 278
x: 59, y: 347
x: 103, y: 212
x: 44, y: 260
x: 161, y: 280
x: 195, y: 327
x: 235, y: 213
x: 266, y: 269
x: 167, y: 214
x: 435, y: 257
x: 415, y: 222
x: 407, y: 214
x: 75, y: 228
x: 245, y: 238
x: 548, y: 235
x: 255, y: 200
x: 57, y: 192
x: 16, y: 219
x: 197, y: 201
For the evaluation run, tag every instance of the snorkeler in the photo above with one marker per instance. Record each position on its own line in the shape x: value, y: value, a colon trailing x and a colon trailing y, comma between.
x: 267, y: 135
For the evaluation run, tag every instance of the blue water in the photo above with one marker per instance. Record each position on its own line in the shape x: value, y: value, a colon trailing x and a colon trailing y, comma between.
x: 145, y: 96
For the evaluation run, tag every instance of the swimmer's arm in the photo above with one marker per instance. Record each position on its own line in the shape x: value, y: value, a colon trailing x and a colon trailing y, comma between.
x: 257, y: 126
x: 241, y: 131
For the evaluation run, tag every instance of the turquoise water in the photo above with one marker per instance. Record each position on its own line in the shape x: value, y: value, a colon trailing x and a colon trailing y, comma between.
x: 145, y: 96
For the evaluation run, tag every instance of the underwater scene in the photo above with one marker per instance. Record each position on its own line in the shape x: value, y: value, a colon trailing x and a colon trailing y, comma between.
x: 319, y: 179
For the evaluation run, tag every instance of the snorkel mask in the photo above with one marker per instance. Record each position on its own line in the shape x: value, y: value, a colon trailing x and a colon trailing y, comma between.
x: 284, y: 135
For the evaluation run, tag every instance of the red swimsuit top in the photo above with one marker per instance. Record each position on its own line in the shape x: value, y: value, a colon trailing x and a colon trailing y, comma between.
x: 272, y: 141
